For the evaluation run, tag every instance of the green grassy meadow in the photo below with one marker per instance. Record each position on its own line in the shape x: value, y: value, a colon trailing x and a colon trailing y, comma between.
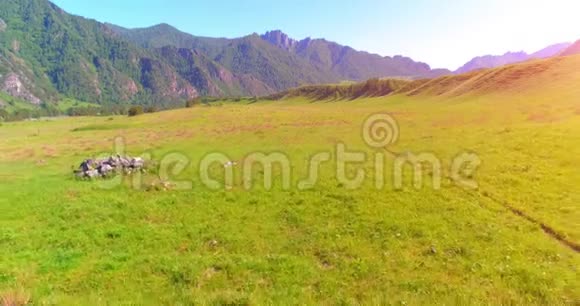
x: 70, y: 242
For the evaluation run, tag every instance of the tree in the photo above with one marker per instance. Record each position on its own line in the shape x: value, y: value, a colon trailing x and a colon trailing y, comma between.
x: 193, y: 102
x: 135, y: 110
x: 4, y: 115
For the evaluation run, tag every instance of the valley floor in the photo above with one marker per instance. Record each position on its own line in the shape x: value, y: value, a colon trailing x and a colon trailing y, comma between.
x: 510, y: 241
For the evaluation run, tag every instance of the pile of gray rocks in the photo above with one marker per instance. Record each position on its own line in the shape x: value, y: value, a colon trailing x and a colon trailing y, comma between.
x: 107, y: 167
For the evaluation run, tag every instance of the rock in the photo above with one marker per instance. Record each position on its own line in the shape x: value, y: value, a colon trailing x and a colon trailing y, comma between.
x: 137, y: 163
x: 86, y: 165
x: 108, y: 166
x: 105, y: 169
x: 3, y: 25
x: 166, y: 185
x: 433, y: 250
x: 124, y: 162
x: 130, y: 88
x: 213, y: 243
x: 279, y: 39
x: 14, y: 86
x: 92, y: 173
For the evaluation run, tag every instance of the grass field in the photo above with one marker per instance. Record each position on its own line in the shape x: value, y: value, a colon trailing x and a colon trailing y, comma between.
x: 511, y: 241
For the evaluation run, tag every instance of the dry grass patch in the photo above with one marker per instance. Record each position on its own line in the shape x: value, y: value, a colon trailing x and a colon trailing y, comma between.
x: 14, y: 298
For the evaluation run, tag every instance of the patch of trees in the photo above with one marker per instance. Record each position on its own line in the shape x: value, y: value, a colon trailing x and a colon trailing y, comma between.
x: 192, y: 103
x: 136, y: 110
x: 83, y: 111
x: 50, y: 110
x: 3, y: 115
x: 45, y: 110
x: 151, y: 109
x: 207, y: 101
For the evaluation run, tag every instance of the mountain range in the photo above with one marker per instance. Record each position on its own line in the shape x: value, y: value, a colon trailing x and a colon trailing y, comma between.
x: 273, y: 61
x: 492, y: 61
x: 47, y: 54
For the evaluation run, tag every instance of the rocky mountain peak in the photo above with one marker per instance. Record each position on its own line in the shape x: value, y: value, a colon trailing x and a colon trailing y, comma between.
x: 279, y: 39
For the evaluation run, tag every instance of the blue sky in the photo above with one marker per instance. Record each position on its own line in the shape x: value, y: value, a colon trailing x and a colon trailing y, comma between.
x: 441, y: 33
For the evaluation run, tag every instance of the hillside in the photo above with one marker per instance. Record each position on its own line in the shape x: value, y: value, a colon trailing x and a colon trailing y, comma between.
x: 492, y: 61
x: 367, y: 89
x: 208, y: 76
x: 572, y: 50
x: 47, y: 53
x: 530, y: 76
x: 273, y: 66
